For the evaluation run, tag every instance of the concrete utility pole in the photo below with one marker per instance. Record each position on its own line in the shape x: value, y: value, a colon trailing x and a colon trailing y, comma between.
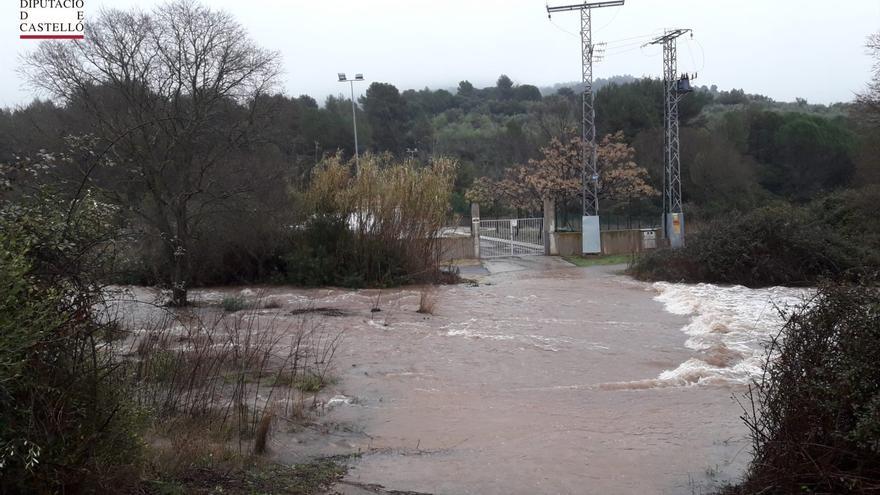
x: 674, y: 88
x: 590, y: 235
x: 357, y: 78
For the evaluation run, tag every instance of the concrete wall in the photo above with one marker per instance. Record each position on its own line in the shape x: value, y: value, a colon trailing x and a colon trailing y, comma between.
x: 456, y: 248
x: 568, y: 243
x: 613, y: 242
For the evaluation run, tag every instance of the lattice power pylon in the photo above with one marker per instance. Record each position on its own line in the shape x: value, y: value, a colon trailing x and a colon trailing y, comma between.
x: 674, y: 88
x: 591, y: 240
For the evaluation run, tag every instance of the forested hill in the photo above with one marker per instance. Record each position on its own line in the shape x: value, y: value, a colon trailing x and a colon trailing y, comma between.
x: 737, y: 148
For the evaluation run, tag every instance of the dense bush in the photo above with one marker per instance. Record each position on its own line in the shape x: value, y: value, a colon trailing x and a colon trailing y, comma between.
x: 776, y: 245
x: 66, y: 424
x: 326, y: 251
x: 815, y: 416
x: 852, y: 214
x: 378, y: 227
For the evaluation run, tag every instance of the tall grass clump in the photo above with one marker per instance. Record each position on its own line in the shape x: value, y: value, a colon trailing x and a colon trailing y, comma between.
x: 427, y: 301
x: 377, y: 227
x: 227, y: 371
x: 814, y: 417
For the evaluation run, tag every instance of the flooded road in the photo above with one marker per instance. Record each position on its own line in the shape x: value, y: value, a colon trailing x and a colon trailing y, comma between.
x: 547, y: 378
x: 541, y: 378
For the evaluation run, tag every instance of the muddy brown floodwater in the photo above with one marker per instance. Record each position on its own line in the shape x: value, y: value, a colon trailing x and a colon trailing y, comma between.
x: 543, y: 378
x: 510, y: 387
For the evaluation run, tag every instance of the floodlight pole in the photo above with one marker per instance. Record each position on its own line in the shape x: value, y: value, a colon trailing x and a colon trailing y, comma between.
x: 673, y: 216
x: 357, y: 78
x: 591, y: 240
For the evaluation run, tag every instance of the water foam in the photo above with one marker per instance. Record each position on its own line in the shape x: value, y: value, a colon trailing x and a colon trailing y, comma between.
x: 475, y: 328
x: 728, y: 329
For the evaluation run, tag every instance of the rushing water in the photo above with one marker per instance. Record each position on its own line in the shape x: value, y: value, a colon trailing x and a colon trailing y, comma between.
x: 543, y: 378
x: 729, y: 329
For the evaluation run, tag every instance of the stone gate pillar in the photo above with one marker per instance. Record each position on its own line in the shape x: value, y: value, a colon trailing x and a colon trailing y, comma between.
x: 475, y: 228
x: 550, y: 227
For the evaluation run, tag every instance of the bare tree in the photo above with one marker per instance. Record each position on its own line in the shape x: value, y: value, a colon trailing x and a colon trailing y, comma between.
x: 869, y: 101
x: 176, y: 95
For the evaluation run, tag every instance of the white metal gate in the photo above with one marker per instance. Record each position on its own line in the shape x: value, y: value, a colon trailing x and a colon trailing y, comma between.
x: 511, y: 237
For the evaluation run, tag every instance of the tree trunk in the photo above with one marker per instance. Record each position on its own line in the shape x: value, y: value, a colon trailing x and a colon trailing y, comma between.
x: 181, y: 256
x: 178, y: 284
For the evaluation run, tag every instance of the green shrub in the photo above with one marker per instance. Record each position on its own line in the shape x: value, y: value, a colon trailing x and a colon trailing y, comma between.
x: 162, y: 366
x: 66, y: 421
x: 774, y: 245
x: 310, y: 382
x: 852, y: 214
x: 322, y: 253
x: 815, y: 416
x: 232, y: 304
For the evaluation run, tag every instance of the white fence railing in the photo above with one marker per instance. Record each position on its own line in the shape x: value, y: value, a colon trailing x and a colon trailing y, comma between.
x: 512, y: 237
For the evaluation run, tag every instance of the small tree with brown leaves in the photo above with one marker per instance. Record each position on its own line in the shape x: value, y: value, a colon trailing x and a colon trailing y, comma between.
x: 620, y: 178
x: 558, y: 174
x: 482, y: 191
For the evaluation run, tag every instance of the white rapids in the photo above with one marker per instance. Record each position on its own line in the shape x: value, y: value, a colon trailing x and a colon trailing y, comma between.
x: 730, y: 327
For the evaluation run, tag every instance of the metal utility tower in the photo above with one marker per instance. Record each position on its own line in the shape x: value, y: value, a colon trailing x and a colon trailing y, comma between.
x: 674, y: 88
x: 591, y: 238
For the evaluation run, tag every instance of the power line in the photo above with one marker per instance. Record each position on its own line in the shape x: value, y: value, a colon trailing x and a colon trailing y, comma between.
x: 557, y: 26
x: 609, y: 22
x: 626, y: 45
x: 640, y: 37
x: 702, y: 53
x: 619, y: 51
x: 633, y: 42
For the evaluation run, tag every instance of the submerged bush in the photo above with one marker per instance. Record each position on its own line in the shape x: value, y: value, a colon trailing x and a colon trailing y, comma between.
x: 814, y: 418
x: 232, y: 304
x: 328, y: 252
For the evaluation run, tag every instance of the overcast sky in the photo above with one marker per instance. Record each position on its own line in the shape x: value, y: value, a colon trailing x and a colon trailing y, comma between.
x: 781, y: 48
